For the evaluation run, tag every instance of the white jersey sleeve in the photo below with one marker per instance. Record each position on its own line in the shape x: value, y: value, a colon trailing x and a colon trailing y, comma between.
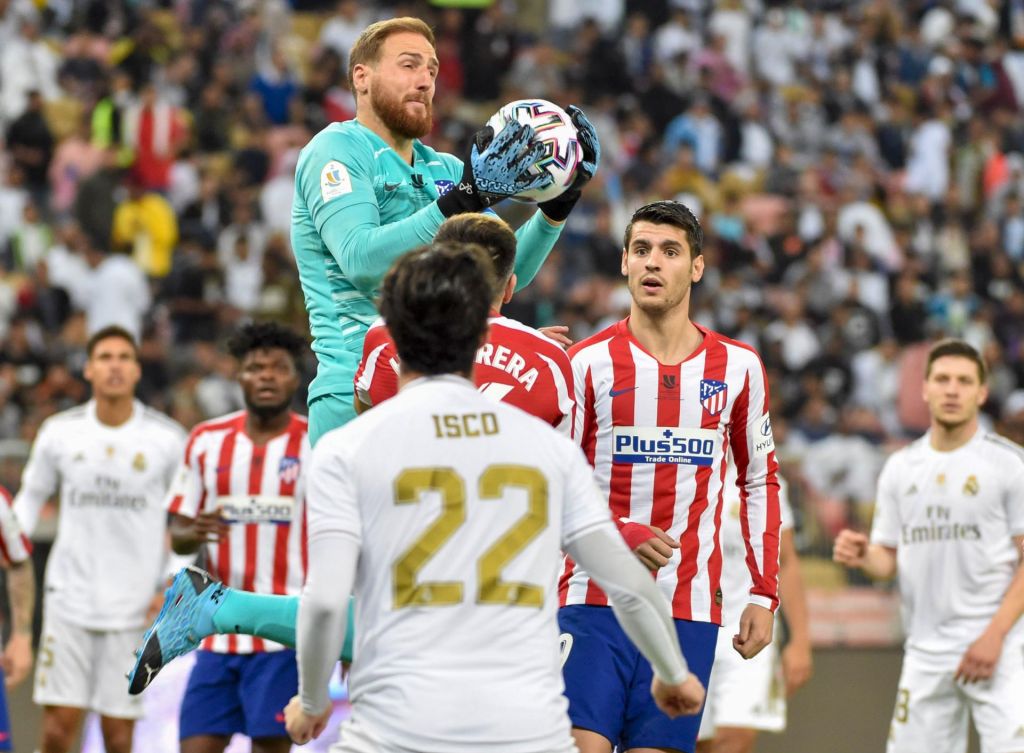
x: 186, y: 492
x: 584, y: 507
x: 39, y: 480
x: 1015, y: 501
x: 885, y: 528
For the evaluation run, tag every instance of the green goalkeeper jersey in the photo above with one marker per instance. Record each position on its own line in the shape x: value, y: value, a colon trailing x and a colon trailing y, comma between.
x: 358, y: 206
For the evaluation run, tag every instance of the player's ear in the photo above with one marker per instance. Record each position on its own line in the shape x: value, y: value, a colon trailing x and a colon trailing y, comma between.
x: 983, y: 395
x: 697, y: 268
x: 360, y: 74
x: 625, y: 254
x: 510, y: 288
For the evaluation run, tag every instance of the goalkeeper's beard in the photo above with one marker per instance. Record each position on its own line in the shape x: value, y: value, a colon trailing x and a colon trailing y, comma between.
x: 398, y: 120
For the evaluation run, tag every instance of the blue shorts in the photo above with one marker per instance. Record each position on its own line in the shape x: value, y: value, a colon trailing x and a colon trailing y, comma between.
x: 5, y: 718
x: 246, y: 693
x: 608, y: 681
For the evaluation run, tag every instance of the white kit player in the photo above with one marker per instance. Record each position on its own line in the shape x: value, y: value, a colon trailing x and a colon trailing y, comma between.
x: 239, y: 496
x: 949, y: 521
x: 518, y: 365
x: 445, y: 513
x: 660, y: 401
x: 747, y: 696
x: 112, y: 460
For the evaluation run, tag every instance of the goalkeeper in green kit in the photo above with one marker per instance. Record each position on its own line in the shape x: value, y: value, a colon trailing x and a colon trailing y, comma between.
x: 366, y: 192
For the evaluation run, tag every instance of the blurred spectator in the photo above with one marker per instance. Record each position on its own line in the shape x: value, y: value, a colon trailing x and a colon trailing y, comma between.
x: 343, y: 28
x: 27, y: 64
x: 114, y: 292
x: 144, y: 225
x: 31, y: 146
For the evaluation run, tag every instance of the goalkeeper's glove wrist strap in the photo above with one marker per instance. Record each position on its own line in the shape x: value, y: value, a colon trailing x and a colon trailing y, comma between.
x: 557, y: 210
x: 462, y: 197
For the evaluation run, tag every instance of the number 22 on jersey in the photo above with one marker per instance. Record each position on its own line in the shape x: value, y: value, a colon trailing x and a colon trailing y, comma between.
x: 492, y: 589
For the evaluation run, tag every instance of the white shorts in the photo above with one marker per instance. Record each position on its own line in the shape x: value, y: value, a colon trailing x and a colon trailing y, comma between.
x: 358, y: 738
x: 86, y: 669
x: 932, y: 710
x: 744, y: 693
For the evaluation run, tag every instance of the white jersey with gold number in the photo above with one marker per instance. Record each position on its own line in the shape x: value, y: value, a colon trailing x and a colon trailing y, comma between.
x: 107, y: 561
x: 460, y: 514
x: 951, y: 517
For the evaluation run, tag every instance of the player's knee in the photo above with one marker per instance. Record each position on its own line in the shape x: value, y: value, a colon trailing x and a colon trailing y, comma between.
x: 118, y: 739
x: 57, y: 736
x: 734, y: 740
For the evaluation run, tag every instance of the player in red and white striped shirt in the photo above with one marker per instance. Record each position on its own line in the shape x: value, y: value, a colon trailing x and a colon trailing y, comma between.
x: 517, y: 365
x: 660, y: 400
x: 240, y: 492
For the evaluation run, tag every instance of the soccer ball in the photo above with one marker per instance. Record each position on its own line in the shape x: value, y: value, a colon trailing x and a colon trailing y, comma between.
x: 554, y: 129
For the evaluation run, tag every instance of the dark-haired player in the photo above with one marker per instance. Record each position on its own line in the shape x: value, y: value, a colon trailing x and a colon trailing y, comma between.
x: 239, y: 496
x: 949, y: 521
x: 112, y: 460
x: 451, y: 542
x: 660, y: 403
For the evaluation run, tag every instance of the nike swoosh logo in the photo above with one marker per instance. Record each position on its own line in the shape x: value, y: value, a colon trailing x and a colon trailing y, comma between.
x: 615, y: 393
x: 391, y: 186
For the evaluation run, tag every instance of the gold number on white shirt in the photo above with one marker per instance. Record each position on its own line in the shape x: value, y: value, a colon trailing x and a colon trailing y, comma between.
x: 492, y: 589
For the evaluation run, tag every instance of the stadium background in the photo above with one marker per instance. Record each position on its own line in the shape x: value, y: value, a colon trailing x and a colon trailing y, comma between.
x: 858, y: 167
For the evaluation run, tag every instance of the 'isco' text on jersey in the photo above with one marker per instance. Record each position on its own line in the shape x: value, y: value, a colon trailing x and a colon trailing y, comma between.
x: 952, y: 516
x: 657, y: 436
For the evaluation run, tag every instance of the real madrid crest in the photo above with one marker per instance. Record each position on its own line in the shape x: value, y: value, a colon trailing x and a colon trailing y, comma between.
x: 139, y: 462
x: 971, y: 486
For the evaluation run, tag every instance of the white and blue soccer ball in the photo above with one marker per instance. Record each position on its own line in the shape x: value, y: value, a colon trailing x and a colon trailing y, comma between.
x: 554, y: 129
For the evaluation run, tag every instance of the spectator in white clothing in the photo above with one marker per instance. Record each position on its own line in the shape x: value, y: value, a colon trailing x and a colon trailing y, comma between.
x: 115, y: 293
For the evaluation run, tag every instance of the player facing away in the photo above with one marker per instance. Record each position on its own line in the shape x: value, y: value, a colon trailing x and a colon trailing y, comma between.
x: 240, y: 497
x: 949, y: 522
x: 517, y: 365
x: 368, y: 190
x: 451, y: 541
x: 112, y: 460
x: 660, y: 401
x: 748, y: 696
x: 16, y: 661
x: 192, y: 613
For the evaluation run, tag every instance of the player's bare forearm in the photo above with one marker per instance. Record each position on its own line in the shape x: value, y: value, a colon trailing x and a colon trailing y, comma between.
x: 21, y: 592
x: 854, y: 550
x: 1012, y: 605
x: 791, y: 590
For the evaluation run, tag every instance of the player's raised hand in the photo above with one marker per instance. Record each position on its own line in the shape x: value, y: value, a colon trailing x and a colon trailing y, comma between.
x: 558, y: 209
x: 301, y: 726
x: 656, y: 551
x: 756, y: 625
x: 980, y: 660
x: 850, y: 548
x: 498, y: 167
x: 684, y: 699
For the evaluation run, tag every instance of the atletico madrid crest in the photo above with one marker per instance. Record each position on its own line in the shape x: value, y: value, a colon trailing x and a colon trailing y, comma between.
x: 288, y: 470
x: 713, y: 395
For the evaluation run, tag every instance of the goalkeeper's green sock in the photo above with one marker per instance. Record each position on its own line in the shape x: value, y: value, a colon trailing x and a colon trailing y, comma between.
x: 271, y: 617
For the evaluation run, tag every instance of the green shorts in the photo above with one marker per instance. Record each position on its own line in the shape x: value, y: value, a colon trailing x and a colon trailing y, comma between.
x: 328, y: 412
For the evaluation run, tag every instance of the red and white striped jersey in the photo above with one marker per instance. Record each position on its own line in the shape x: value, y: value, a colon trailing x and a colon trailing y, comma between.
x: 14, y: 545
x: 260, y: 490
x: 517, y: 365
x: 657, y: 437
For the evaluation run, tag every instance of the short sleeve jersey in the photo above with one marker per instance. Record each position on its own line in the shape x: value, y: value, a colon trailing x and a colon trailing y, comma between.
x: 951, y: 516
x: 348, y: 167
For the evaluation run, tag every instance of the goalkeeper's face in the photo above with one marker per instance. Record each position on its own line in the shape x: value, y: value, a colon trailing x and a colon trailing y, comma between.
x: 659, y: 268
x: 401, y: 85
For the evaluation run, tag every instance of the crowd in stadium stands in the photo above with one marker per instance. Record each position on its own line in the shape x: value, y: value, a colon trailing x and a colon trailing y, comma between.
x: 858, y: 167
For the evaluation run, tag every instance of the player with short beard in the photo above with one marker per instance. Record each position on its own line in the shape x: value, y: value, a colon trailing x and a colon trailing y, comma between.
x: 368, y: 190
x: 949, y: 521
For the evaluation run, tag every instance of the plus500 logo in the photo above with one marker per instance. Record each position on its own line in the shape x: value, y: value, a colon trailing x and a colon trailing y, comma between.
x: 639, y: 444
